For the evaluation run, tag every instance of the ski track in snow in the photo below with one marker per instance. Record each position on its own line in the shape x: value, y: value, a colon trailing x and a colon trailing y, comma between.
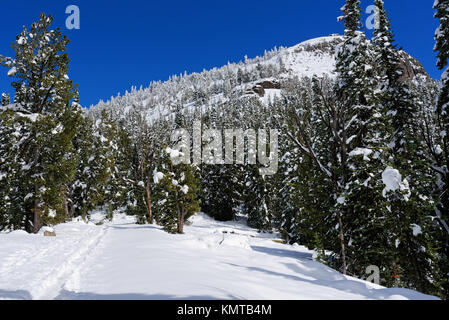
x: 213, y: 260
x: 56, y: 280
x: 36, y: 267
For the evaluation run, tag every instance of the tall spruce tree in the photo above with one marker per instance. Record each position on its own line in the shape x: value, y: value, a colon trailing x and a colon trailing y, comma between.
x: 95, y: 142
x: 45, y: 96
x: 413, y: 205
x: 118, y: 185
x: 360, y: 135
x: 221, y: 190
x: 256, y: 200
x: 442, y: 158
x: 442, y: 47
x: 12, y: 210
x: 146, y: 150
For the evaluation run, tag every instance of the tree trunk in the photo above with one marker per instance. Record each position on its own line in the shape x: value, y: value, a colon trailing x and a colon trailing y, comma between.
x: 342, y: 243
x: 37, y: 225
x: 181, y: 217
x: 150, y: 214
x: 72, y: 210
x: 66, y: 209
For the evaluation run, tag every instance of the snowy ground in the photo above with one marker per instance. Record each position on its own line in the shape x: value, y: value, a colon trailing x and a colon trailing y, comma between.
x: 121, y: 260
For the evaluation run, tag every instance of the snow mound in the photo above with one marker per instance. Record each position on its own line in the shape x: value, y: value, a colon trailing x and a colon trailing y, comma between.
x: 392, y: 179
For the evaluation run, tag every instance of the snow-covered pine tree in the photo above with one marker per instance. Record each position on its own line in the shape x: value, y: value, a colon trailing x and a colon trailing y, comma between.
x: 118, y: 186
x: 221, y: 183
x: 44, y: 96
x: 147, y: 146
x: 283, y: 187
x: 83, y: 144
x: 136, y: 204
x: 73, y: 117
x: 412, y: 206
x: 355, y: 85
x: 312, y: 167
x: 257, y: 189
x: 442, y: 159
x: 5, y: 100
x: 96, y: 150
x: 442, y: 46
x: 442, y: 33
x: 221, y: 191
x: 12, y: 210
x: 255, y: 206
x: 176, y: 200
x: 362, y: 147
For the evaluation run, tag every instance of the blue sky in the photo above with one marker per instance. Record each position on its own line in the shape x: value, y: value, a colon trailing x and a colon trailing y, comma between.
x: 131, y: 43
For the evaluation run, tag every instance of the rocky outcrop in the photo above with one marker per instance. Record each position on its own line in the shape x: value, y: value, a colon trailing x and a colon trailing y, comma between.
x: 260, y: 87
x: 328, y: 46
x: 411, y: 67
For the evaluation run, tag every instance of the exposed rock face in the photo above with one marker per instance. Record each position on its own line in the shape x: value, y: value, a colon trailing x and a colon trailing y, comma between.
x: 269, y: 84
x: 328, y: 47
x: 260, y: 87
x: 411, y: 67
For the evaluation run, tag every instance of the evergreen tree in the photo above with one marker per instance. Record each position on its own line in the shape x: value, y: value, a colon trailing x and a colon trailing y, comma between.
x: 221, y: 190
x: 255, y: 205
x: 220, y: 194
x: 442, y: 46
x: 413, y: 205
x: 286, y: 180
x: 118, y: 184
x: 312, y: 117
x: 5, y: 100
x: 96, y: 147
x: 176, y: 200
x: 360, y: 133
x: 83, y: 144
x: 442, y: 157
x: 11, y: 190
x: 45, y: 95
x: 147, y: 148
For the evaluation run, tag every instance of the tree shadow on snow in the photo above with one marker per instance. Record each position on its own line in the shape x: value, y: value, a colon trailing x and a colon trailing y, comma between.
x: 283, y: 252
x: 15, y: 295
x: 134, y: 227
x: 69, y: 295
x: 338, y: 282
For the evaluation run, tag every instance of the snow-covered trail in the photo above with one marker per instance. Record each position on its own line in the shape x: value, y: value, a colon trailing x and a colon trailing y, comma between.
x: 213, y: 260
x: 36, y: 267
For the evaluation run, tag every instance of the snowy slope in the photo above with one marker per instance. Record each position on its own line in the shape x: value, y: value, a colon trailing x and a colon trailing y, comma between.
x: 121, y: 260
x: 307, y: 59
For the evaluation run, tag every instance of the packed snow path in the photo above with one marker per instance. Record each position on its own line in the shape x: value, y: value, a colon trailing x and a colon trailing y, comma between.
x: 213, y: 260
